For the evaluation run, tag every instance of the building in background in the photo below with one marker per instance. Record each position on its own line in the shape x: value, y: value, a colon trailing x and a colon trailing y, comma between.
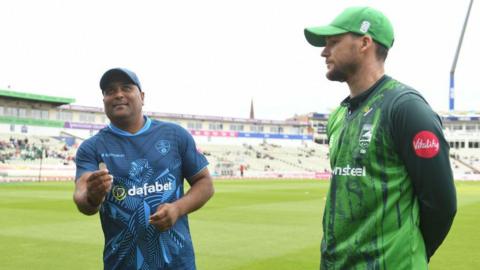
x: 296, y: 147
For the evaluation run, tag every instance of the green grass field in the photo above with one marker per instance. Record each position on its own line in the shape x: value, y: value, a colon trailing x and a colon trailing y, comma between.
x: 261, y: 224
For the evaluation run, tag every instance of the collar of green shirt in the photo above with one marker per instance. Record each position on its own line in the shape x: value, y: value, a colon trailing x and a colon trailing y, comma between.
x: 353, y: 103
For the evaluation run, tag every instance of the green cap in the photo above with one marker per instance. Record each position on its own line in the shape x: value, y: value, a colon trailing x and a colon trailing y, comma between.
x: 359, y: 20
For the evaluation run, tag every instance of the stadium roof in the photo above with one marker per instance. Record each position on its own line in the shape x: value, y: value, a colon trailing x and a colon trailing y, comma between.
x: 35, y: 97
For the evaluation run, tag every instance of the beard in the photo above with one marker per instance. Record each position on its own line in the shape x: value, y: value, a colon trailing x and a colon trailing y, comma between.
x: 336, y: 75
x: 346, y: 67
x: 342, y: 72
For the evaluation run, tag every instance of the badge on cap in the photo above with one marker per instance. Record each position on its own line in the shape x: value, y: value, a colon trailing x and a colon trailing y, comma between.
x: 364, y: 27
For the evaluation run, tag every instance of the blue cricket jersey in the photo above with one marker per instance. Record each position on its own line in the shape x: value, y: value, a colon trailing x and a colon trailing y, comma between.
x: 148, y: 169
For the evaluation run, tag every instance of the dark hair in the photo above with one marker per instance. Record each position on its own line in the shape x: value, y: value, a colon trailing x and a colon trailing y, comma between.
x: 381, y: 51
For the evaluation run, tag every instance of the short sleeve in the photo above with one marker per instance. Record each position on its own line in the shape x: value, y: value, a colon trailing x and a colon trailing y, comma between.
x: 192, y: 160
x: 85, y: 159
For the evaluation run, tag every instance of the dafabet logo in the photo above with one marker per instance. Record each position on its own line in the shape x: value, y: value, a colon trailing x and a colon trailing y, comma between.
x: 120, y: 192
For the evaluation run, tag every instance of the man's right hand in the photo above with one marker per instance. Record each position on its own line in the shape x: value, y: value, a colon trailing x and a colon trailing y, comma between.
x: 99, y: 184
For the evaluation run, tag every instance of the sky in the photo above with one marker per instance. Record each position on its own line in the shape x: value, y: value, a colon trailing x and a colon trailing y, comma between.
x: 212, y: 57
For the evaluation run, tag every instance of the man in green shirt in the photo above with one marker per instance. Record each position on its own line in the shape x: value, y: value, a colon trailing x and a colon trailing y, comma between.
x: 392, y: 199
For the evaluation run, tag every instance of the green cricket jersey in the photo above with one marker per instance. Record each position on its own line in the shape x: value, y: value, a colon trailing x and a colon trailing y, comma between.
x: 392, y: 199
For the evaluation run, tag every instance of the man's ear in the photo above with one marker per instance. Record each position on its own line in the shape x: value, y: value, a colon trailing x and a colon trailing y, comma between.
x: 366, y: 42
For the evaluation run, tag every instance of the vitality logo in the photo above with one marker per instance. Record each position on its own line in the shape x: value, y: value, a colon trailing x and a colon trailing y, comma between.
x: 426, y: 144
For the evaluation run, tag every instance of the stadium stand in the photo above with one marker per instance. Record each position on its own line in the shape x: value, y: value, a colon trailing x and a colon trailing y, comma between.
x: 39, y: 136
x: 466, y: 160
x: 263, y: 158
x: 24, y: 157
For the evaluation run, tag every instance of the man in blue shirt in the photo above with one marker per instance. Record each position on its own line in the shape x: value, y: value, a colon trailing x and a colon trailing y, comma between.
x: 132, y: 173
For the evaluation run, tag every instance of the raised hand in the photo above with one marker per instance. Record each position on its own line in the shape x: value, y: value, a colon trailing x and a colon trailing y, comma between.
x: 99, y: 184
